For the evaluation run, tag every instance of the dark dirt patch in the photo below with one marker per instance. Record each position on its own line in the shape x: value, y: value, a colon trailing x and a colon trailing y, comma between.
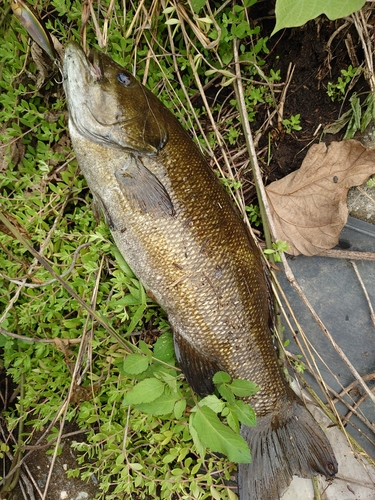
x: 317, y: 61
x: 37, y: 466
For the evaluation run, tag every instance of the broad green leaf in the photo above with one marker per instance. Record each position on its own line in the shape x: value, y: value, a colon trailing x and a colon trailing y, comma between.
x: 243, y: 388
x: 171, y: 22
x: 231, y: 495
x: 144, y: 392
x: 218, y: 437
x: 145, y: 349
x: 221, y: 378
x: 163, y: 405
x: 232, y: 421
x: 72, y: 323
x: 134, y: 364
x: 368, y: 115
x: 212, y: 402
x: 196, y: 439
x: 179, y: 408
x: 355, y: 121
x: 291, y: 13
x: 226, y: 393
x: 163, y: 347
x: 245, y: 413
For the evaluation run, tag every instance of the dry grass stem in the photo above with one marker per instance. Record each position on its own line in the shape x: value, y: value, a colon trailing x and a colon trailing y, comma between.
x: 372, y: 314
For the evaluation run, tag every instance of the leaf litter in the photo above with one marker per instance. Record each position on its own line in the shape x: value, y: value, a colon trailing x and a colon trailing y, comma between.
x: 309, y: 205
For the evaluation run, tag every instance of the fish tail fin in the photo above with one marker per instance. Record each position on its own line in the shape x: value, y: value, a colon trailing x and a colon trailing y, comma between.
x: 283, y: 444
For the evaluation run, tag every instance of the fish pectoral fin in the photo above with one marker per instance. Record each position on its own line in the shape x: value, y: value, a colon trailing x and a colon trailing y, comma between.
x: 143, y: 189
x: 197, y: 367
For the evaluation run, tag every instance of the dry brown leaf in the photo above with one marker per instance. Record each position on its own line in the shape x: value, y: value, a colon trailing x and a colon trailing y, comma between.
x: 309, y: 205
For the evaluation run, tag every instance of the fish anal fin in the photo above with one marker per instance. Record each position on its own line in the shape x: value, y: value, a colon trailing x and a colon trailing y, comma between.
x: 196, y: 366
x: 283, y: 444
x: 143, y: 189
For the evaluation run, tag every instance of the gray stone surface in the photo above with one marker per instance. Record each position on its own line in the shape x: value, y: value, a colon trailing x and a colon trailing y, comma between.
x: 361, y: 203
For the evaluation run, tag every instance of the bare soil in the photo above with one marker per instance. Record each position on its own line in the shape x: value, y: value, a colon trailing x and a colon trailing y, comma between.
x: 317, y: 57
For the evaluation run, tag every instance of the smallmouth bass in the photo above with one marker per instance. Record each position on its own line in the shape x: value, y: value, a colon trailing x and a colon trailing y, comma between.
x: 178, y: 230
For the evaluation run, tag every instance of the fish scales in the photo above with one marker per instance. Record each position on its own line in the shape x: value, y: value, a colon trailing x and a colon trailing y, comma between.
x: 178, y: 230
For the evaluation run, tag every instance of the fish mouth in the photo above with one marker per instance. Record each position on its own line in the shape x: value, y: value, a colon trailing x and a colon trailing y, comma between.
x: 89, y: 65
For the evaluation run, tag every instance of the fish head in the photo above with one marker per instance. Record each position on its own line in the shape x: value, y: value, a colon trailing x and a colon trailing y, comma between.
x: 109, y: 106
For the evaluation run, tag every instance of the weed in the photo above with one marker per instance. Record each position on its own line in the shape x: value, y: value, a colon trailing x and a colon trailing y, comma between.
x: 292, y: 123
x: 277, y: 248
x: 359, y: 118
x: 253, y: 213
x: 337, y: 91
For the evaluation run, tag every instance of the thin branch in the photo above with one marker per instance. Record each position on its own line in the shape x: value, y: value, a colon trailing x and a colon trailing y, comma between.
x: 372, y: 314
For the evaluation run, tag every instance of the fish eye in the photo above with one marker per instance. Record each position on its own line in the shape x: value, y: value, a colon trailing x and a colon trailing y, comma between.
x: 123, y: 79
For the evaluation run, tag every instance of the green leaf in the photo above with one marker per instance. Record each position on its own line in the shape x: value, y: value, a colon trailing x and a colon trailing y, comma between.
x: 196, y: 439
x: 3, y: 340
x: 145, y: 349
x: 163, y: 405
x: 179, y: 408
x: 291, y: 13
x: 243, y: 388
x: 218, y: 437
x: 241, y: 30
x: 221, y: 378
x: 121, y: 262
x: 163, y: 347
x: 136, y: 318
x: 135, y: 466
x: 368, y: 115
x: 216, y: 495
x: 134, y: 364
x: 232, y: 421
x: 245, y: 413
x: 212, y: 402
x: 355, y: 121
x: 144, y: 392
x: 197, y: 5
x: 120, y: 459
x: 226, y: 393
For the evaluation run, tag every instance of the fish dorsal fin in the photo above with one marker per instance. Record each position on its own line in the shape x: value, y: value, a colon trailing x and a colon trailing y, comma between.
x: 143, y: 189
x: 197, y: 367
